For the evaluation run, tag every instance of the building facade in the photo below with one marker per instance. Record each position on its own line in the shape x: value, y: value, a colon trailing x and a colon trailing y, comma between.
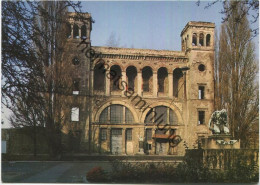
x: 136, y: 101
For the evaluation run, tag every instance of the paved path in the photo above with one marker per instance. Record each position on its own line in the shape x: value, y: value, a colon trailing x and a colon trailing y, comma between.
x: 49, y: 172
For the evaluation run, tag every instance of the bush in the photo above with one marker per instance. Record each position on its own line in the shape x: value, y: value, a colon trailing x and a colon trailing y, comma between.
x: 96, y: 174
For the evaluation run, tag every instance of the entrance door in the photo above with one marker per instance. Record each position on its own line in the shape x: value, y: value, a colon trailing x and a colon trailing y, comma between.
x: 161, y: 148
x: 116, y: 141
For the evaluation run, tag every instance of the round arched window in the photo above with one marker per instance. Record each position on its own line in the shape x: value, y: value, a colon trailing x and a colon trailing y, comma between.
x: 201, y: 67
x: 75, y: 61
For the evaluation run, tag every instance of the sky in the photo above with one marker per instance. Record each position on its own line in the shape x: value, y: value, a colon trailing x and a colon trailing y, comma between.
x: 145, y: 24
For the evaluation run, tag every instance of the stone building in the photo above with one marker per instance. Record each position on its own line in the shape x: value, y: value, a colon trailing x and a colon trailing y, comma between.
x: 135, y: 101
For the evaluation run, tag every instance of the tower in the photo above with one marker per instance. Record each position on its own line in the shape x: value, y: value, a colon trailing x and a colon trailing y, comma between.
x: 198, y: 45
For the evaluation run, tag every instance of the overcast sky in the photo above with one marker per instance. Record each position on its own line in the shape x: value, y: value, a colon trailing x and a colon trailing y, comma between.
x: 149, y: 25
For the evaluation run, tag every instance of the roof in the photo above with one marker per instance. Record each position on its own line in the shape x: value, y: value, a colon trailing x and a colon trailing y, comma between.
x: 198, y: 24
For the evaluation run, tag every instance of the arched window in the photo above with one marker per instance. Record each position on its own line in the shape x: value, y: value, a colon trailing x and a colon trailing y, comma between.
x: 147, y: 75
x: 161, y: 115
x: 83, y: 31
x: 115, y: 76
x: 194, y: 39
x: 131, y: 74
x: 68, y: 30
x: 182, y: 44
x: 162, y: 80
x: 208, y: 40
x: 116, y: 114
x: 201, y: 39
x: 177, y: 75
x: 99, y: 77
x: 75, y: 31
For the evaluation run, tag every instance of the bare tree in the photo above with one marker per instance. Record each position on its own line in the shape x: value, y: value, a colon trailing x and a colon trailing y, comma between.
x: 235, y: 74
x: 113, y: 41
x: 250, y: 7
x: 34, y: 77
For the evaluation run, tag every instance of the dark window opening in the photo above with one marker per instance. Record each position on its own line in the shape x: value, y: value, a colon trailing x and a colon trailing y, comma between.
x: 75, y: 61
x: 208, y: 40
x: 75, y: 31
x: 129, y: 134
x: 68, y: 30
x: 201, y: 117
x: 162, y: 79
x: 177, y: 75
x: 103, y: 134
x: 115, y: 75
x: 115, y: 112
x: 148, y: 134
x: 84, y: 32
x: 201, y: 92
x: 201, y: 39
x: 194, y: 39
x: 147, y: 75
x: 99, y: 77
x: 131, y: 74
x: 148, y: 146
x: 75, y: 89
x: 201, y: 67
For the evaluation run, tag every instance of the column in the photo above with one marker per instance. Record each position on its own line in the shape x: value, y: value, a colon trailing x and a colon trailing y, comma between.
x: 139, y: 83
x: 153, y: 143
x: 124, y: 84
x: 107, y: 83
x: 109, y: 139
x: 124, y: 114
x: 91, y: 82
x: 155, y: 85
x: 170, y: 78
x: 71, y: 30
x: 124, y: 141
x: 204, y: 41
x: 79, y: 31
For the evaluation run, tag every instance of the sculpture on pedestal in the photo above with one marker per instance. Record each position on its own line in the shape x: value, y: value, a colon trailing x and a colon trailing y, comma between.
x: 218, y: 122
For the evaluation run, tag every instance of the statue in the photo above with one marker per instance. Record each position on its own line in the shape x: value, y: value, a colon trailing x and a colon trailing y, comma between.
x: 218, y: 122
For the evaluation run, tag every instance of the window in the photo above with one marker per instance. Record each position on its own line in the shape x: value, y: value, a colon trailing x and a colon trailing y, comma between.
x: 148, y: 146
x: 75, y: 31
x: 201, y: 117
x: 103, y: 134
x: 131, y: 74
x: 115, y: 75
x: 201, y: 67
x: 84, y: 32
x: 104, y: 116
x: 128, y: 116
x: 116, y: 114
x: 74, y: 114
x: 129, y: 134
x: 162, y: 80
x: 99, y: 76
x: 177, y: 76
x: 161, y: 115
x: 208, y: 40
x: 201, y: 92
x: 194, y: 39
x: 147, y: 75
x: 148, y: 134
x: 75, y: 89
x: 75, y: 61
x: 201, y: 40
